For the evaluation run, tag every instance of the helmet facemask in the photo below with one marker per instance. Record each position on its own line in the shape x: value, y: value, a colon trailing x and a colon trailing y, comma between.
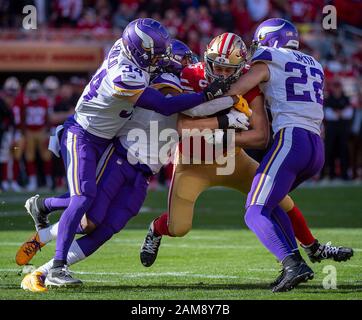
x: 227, y: 51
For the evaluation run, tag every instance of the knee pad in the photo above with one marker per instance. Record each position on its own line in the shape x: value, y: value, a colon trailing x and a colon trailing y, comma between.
x: 250, y: 214
x: 253, y: 212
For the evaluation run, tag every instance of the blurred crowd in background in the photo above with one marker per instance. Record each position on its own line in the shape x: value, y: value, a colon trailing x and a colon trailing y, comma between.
x: 31, y: 109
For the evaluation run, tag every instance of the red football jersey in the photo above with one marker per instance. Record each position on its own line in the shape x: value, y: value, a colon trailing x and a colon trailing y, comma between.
x: 35, y: 113
x: 17, y: 109
x: 193, y: 80
x: 193, y: 77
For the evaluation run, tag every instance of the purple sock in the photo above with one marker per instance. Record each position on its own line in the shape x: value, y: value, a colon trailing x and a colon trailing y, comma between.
x: 258, y: 219
x: 282, y: 219
x: 57, y: 203
x: 68, y: 224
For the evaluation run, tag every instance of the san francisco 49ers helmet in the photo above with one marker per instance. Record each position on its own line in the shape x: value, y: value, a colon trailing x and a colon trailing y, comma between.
x: 227, y: 50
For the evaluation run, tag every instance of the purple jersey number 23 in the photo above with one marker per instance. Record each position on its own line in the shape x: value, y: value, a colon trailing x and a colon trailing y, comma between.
x: 95, y: 84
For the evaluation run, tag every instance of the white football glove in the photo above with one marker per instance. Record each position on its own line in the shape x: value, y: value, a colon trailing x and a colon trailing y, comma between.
x: 238, y: 120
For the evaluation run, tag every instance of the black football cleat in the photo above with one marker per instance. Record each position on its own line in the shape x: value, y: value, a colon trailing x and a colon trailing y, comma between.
x: 278, y: 279
x: 150, y: 247
x: 318, y: 252
x: 292, y: 276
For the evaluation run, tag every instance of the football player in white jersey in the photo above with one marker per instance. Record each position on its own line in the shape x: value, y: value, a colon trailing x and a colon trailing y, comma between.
x: 122, y: 180
x: 108, y: 101
x: 292, y: 83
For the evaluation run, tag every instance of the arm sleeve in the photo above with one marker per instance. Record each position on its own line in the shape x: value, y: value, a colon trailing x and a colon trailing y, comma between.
x: 210, y: 107
x: 152, y: 99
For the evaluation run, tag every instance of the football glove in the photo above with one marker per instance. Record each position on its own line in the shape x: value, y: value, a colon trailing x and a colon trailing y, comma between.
x: 237, y: 120
x: 216, y: 89
x: 243, y: 106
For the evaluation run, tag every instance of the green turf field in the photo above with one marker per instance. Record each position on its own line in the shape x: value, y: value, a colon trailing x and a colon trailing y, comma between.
x: 219, y: 259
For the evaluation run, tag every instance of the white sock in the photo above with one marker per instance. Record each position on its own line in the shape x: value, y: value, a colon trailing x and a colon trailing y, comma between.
x: 75, y: 255
x: 48, y: 234
x: 44, y: 269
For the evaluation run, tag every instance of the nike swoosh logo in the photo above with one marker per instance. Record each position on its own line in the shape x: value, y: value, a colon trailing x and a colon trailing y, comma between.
x: 132, y: 76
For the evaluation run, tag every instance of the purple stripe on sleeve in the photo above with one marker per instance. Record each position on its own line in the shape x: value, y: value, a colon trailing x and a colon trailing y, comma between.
x: 160, y: 80
x: 119, y: 83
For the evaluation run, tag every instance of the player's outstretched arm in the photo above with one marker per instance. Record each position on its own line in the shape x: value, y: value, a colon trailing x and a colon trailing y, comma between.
x: 258, y: 73
x: 152, y: 99
x: 257, y: 137
x: 211, y: 107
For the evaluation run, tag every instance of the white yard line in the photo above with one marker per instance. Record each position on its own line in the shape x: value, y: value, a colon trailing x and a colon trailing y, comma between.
x: 178, y: 246
x: 132, y: 243
x: 263, y: 269
x: 145, y: 274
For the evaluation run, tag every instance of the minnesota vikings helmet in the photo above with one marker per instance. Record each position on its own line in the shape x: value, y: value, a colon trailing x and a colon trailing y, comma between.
x: 181, y: 56
x: 146, y: 42
x: 277, y: 33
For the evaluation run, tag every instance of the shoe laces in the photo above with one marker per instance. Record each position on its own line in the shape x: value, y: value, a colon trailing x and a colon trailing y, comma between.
x: 152, y: 244
x: 329, y: 250
x: 65, y: 271
x: 32, y: 246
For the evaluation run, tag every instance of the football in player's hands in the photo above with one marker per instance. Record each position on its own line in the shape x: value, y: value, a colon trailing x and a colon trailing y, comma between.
x: 216, y: 89
x: 243, y: 106
x: 238, y: 120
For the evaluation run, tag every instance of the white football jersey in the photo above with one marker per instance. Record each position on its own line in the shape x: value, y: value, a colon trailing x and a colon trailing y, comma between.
x: 145, y: 135
x: 101, y: 110
x: 294, y: 92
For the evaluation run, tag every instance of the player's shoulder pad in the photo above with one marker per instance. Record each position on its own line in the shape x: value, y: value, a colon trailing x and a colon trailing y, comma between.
x: 164, y: 80
x: 191, y: 75
x: 129, y: 79
x: 264, y: 54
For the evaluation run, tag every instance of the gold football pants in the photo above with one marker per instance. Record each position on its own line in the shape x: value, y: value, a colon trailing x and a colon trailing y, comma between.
x: 190, y: 180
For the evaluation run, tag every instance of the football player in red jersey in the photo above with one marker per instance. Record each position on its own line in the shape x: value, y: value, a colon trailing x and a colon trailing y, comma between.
x: 35, y: 112
x: 225, y: 56
x: 6, y: 128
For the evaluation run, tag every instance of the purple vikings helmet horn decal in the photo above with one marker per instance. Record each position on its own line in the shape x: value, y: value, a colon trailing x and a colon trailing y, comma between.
x: 277, y: 33
x: 144, y: 40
